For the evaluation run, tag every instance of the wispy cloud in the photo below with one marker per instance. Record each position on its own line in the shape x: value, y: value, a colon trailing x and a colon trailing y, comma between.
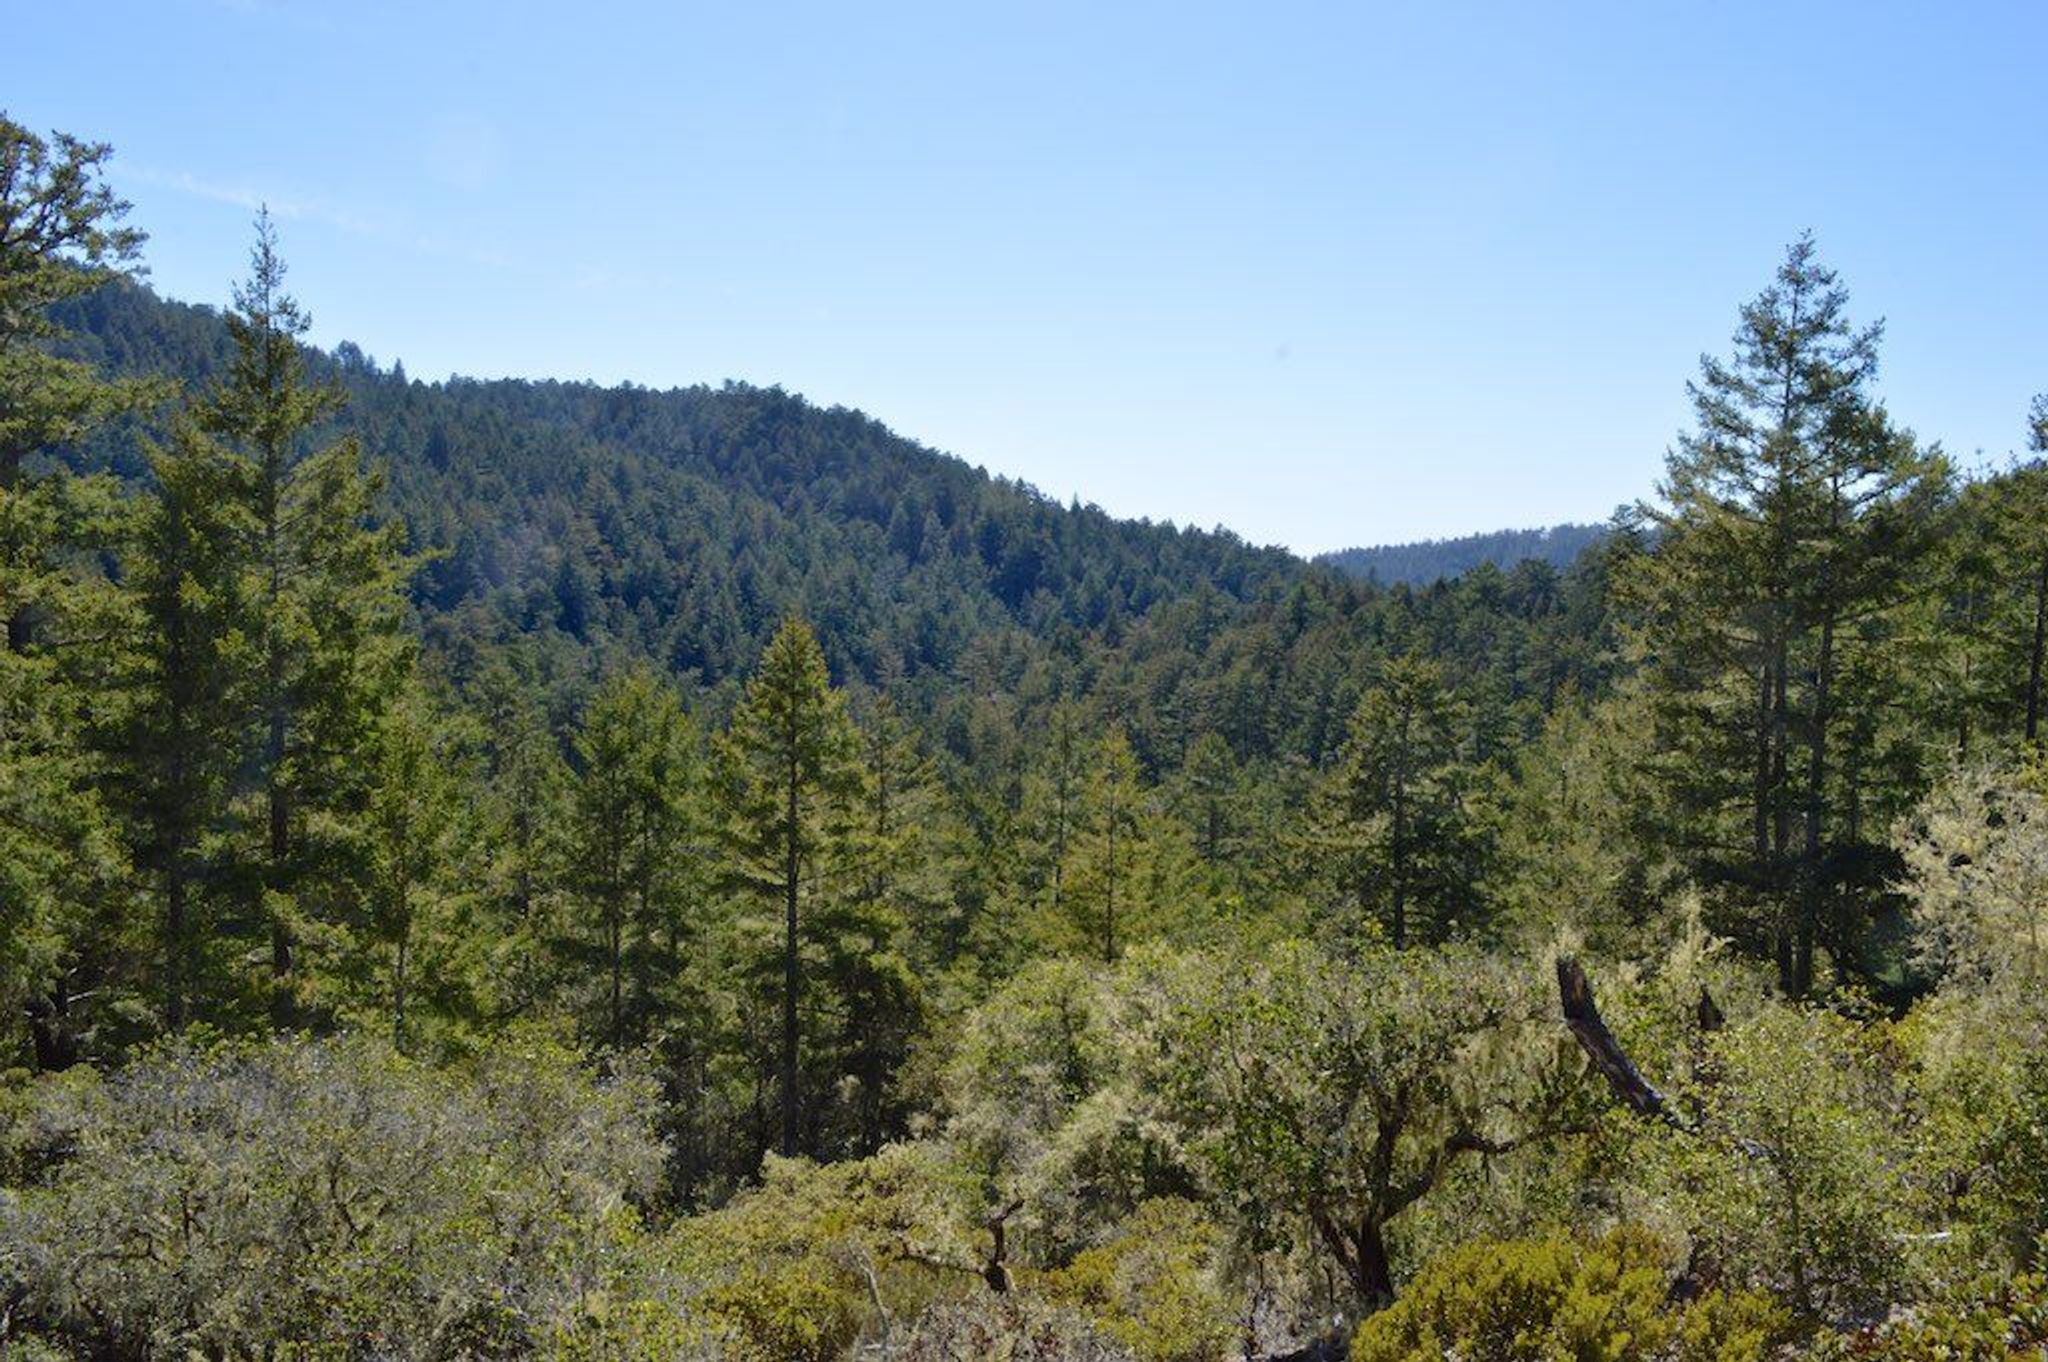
x: 240, y: 195
x: 293, y: 208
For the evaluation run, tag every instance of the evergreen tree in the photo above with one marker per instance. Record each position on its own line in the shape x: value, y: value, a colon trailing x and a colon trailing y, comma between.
x: 61, y: 237
x: 791, y: 792
x: 1104, y: 909
x: 1394, y: 835
x: 523, y: 827
x: 863, y: 936
x: 2026, y: 525
x: 418, y: 942
x: 2036, y: 519
x: 1054, y: 789
x: 61, y: 908
x: 633, y: 848
x: 324, y: 654
x: 177, y: 756
x: 1792, y: 517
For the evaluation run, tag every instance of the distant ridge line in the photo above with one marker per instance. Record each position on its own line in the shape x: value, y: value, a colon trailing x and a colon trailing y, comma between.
x: 1429, y: 560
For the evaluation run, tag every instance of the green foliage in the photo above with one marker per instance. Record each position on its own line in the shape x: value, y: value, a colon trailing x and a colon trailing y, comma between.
x: 226, y: 1201
x: 2007, y: 1323
x: 1799, y: 1178
x: 798, y: 1267
x: 1107, y: 889
x: 1131, y: 920
x: 1976, y: 849
x: 1153, y: 1286
x: 1011, y: 1328
x: 1393, y: 836
x: 1564, y: 1300
x: 1794, y: 518
x: 65, y: 923
x: 1433, y: 560
x: 1328, y: 1095
x: 790, y: 787
x: 317, y: 655
x: 1579, y: 850
x: 635, y: 868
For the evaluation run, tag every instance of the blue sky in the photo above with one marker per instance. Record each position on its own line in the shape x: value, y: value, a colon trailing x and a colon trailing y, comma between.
x: 1327, y: 274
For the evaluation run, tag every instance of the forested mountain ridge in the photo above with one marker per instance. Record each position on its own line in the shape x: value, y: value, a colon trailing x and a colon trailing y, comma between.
x: 593, y: 494
x: 1424, y: 561
x: 583, y: 523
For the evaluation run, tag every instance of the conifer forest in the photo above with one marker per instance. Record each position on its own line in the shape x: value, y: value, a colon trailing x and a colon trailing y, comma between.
x: 532, y: 869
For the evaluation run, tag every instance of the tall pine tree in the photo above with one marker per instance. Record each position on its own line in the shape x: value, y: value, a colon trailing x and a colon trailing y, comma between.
x: 791, y: 795
x: 325, y: 653
x: 634, y: 849
x: 1792, y: 517
x: 61, y: 907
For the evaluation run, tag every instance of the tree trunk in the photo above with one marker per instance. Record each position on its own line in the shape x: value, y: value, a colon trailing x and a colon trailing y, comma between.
x: 399, y: 981
x: 1372, y: 1273
x: 51, y: 1030
x: 175, y: 985
x: 1399, y: 858
x: 283, y: 1007
x: 2033, y: 727
x: 791, y: 867
x: 1109, y: 896
x: 1582, y: 1018
x: 1780, y: 825
x: 615, y: 951
x: 1812, y: 886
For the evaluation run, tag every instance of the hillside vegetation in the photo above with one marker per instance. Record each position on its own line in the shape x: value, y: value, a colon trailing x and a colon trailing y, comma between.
x: 512, y: 869
x: 1432, y: 560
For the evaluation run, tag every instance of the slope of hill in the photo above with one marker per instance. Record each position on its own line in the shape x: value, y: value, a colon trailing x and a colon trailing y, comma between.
x: 1432, y: 560
x: 575, y: 524
x: 684, y: 523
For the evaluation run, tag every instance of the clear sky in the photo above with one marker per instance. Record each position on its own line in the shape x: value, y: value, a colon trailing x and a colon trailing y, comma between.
x: 1328, y: 274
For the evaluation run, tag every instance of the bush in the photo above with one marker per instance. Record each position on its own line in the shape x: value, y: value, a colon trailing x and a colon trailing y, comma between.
x: 1559, y: 1299
x: 798, y: 1268
x: 241, y: 1200
x: 1800, y: 1177
x: 2002, y: 1321
x: 1152, y: 1287
x: 1010, y: 1328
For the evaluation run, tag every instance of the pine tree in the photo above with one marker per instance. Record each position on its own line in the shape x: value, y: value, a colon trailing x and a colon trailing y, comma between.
x: 178, y: 749
x: 1054, y: 788
x: 1791, y: 519
x: 1394, y: 834
x: 790, y: 788
x: 325, y: 654
x: 1104, y: 907
x: 2027, y: 539
x: 523, y: 828
x: 865, y: 937
x: 417, y: 946
x: 62, y: 908
x: 60, y: 237
x: 633, y: 847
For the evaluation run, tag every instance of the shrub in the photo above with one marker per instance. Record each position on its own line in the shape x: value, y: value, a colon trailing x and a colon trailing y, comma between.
x: 1152, y: 1287
x: 1561, y: 1300
x: 1010, y: 1328
x: 293, y: 1197
x: 796, y: 1269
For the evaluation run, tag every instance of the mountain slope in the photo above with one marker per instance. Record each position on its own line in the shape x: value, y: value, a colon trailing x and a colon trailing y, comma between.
x: 568, y: 525
x: 684, y: 523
